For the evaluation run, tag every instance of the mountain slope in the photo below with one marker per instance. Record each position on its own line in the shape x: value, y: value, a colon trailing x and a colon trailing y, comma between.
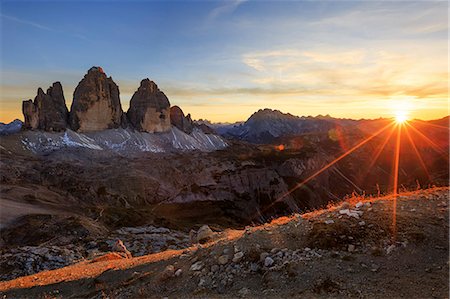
x: 120, y: 140
x: 347, y: 250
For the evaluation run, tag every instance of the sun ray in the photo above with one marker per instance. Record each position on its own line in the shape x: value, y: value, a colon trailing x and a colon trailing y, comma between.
x: 395, y: 193
x: 379, y: 151
x: 431, y: 125
x: 419, y: 156
x: 436, y: 147
x: 298, y: 185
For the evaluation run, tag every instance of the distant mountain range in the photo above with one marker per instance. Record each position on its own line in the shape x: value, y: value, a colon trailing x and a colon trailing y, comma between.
x: 267, y: 126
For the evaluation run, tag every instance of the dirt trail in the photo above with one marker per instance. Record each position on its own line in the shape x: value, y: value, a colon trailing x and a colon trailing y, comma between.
x: 344, y: 251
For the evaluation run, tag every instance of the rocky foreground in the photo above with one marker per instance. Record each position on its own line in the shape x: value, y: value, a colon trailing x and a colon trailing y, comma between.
x: 348, y: 250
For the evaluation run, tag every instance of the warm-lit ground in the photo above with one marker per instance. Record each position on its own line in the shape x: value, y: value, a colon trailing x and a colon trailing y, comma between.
x: 415, y: 261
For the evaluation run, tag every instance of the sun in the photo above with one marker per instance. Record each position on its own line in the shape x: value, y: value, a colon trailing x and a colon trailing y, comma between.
x: 401, y: 117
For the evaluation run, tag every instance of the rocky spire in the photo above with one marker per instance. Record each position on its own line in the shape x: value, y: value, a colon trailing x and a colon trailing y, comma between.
x: 149, y: 108
x: 48, y: 112
x: 96, y: 103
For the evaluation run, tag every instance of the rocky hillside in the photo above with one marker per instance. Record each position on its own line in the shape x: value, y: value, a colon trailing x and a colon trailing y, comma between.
x: 349, y: 250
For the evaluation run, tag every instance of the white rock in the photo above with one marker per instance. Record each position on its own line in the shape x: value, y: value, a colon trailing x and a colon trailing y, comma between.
x: 268, y: 261
x: 362, y: 223
x: 329, y: 221
x: 197, y: 266
x: 344, y: 211
x: 390, y: 248
x: 178, y: 273
x: 359, y: 205
x: 351, y: 213
x: 351, y: 248
x: 238, y: 257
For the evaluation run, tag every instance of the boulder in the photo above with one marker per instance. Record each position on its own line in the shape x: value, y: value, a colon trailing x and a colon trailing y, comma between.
x: 48, y: 112
x: 204, y: 234
x: 177, y: 119
x: 96, y: 103
x: 149, y: 109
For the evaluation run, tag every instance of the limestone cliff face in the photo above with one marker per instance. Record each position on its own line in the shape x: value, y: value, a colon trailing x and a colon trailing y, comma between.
x: 31, y: 115
x: 177, y: 118
x: 149, y: 109
x: 48, y: 112
x: 96, y: 103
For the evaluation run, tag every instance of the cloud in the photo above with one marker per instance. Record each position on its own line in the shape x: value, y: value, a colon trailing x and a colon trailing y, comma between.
x: 341, y: 73
x: 227, y: 7
x: 30, y: 23
x: 41, y: 27
x: 390, y: 19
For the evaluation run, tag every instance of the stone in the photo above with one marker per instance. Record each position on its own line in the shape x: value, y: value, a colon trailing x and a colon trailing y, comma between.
x: 359, y: 205
x: 223, y: 259
x: 351, y: 213
x: 197, y: 266
x: 351, y: 248
x: 149, y: 109
x: 238, y: 257
x: 48, y: 112
x: 204, y: 234
x: 96, y: 104
x: 390, y: 249
x: 178, y: 273
x: 177, y: 119
x: 329, y: 221
x: 268, y: 261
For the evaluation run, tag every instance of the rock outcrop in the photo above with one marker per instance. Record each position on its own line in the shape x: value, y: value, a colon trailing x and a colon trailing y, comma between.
x: 149, y: 109
x: 48, y: 112
x: 177, y: 118
x: 96, y: 103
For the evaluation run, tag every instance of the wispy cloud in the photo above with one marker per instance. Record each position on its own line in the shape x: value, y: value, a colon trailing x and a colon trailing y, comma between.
x: 411, y: 18
x: 40, y: 26
x: 228, y: 7
x: 26, y: 22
